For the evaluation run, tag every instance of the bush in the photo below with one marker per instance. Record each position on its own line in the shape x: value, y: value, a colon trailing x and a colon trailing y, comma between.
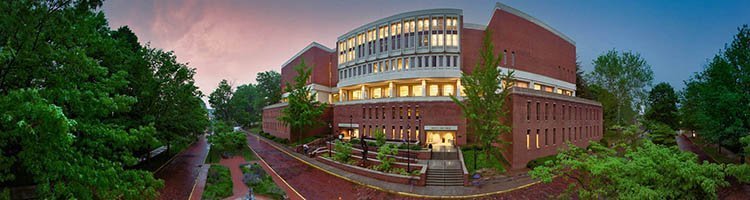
x: 483, y: 161
x: 379, y: 137
x: 355, y: 141
x: 343, y: 151
x: 410, y: 146
x: 541, y: 161
x: 385, y: 160
x: 255, y: 177
x: 218, y: 183
x: 227, y: 141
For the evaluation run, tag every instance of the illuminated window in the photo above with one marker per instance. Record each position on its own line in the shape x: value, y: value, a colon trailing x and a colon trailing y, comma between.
x: 537, y: 138
x: 434, y: 89
x: 406, y: 62
x: 522, y: 84
x: 356, y: 94
x: 376, y: 93
x: 448, y: 90
x: 548, y: 89
x: 528, y: 137
x: 400, y: 64
x: 403, y: 91
x: 416, y: 90
x: 463, y: 90
x: 408, y: 113
x: 537, y: 87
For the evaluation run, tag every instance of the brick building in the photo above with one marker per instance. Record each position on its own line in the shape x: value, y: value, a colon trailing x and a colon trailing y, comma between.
x: 397, y: 74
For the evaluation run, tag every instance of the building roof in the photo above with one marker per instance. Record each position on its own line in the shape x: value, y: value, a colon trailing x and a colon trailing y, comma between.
x: 534, y: 20
x: 308, y: 47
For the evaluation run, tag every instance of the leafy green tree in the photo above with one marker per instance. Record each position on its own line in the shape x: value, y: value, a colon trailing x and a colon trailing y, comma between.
x: 624, y: 75
x: 242, y: 105
x: 662, y: 105
x: 715, y: 101
x: 645, y: 172
x: 219, y: 100
x: 303, y: 111
x: 486, y: 94
x: 228, y: 141
x: 385, y: 154
x: 343, y: 151
x: 661, y: 133
x: 379, y: 137
x: 269, y: 88
x: 582, y: 86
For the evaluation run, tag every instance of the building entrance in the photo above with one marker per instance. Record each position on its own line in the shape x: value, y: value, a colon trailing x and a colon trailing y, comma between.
x: 441, y: 140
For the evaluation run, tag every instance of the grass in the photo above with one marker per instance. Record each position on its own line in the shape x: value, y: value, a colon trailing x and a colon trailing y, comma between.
x: 218, y: 183
x: 540, y: 161
x: 712, y: 151
x: 483, y: 161
x: 265, y: 186
x: 306, y: 140
x: 215, y: 156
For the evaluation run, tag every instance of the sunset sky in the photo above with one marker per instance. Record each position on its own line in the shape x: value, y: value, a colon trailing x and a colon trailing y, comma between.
x: 234, y: 40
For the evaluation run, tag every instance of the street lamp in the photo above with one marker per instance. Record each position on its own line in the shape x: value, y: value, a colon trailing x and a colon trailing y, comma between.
x: 351, y: 126
x: 330, y: 139
x: 408, y: 150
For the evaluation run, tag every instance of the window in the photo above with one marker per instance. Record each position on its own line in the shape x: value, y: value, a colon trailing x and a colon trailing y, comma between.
x: 393, y: 112
x: 554, y: 136
x: 403, y: 91
x: 528, y: 135
x: 448, y: 90
x: 401, y: 132
x: 363, y: 113
x: 416, y: 90
x: 522, y: 84
x: 376, y: 93
x: 537, y: 87
x: 546, y: 111
x: 537, y: 110
x: 416, y: 112
x: 440, y: 61
x: 376, y: 113
x: 393, y: 132
x: 434, y: 90
x: 554, y: 111
x: 505, y: 57
x: 513, y: 58
x: 434, y: 61
x: 563, y: 112
x: 537, y: 138
x: 408, y: 112
x: 528, y: 110
x: 400, y: 64
x: 546, y: 136
x: 383, y: 112
x: 419, y: 61
x: 401, y: 112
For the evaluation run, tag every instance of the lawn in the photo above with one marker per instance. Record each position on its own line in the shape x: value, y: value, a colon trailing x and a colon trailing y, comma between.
x: 261, y: 182
x: 215, y: 156
x: 218, y: 183
x: 482, y: 161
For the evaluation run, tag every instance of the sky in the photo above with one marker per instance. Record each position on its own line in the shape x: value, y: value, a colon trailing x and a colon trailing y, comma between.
x: 234, y: 40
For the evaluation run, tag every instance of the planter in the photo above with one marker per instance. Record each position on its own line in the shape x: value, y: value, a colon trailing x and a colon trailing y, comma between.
x: 389, y: 177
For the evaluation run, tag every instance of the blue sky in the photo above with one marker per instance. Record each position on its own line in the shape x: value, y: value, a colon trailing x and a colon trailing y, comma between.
x: 235, y: 39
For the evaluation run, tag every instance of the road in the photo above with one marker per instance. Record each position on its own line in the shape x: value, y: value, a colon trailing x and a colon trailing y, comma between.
x: 180, y: 174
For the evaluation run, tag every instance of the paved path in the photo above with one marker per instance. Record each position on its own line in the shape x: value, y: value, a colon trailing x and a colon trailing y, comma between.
x: 313, y: 183
x: 735, y: 190
x: 686, y: 145
x: 180, y: 174
x: 239, y: 189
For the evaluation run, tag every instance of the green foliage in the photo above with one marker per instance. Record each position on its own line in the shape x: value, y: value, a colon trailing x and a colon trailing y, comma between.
x: 384, y: 155
x: 715, y: 101
x: 741, y: 172
x: 541, y: 161
x: 228, y: 141
x: 624, y: 76
x: 484, y: 161
x: 303, y: 111
x: 94, y: 98
x: 218, y: 183
x: 242, y: 107
x: 219, y: 100
x: 261, y: 182
x: 645, y: 172
x: 661, y: 133
x: 745, y: 145
x: 484, y: 106
x: 379, y: 137
x: 410, y: 146
x: 343, y: 151
x: 662, y: 105
x: 582, y: 86
x: 269, y: 88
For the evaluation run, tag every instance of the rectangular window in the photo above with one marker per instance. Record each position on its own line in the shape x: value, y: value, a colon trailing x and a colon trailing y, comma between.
x: 434, y: 90
x: 448, y: 90
x: 376, y: 93
x: 528, y: 110
x: 419, y: 61
x: 554, y: 111
x: 546, y: 111
x: 546, y: 136
x: 440, y: 61
x: 537, y: 110
x: 416, y: 90
x: 408, y: 113
x: 528, y: 135
x: 403, y: 91
x: 401, y: 112
x: 434, y: 61
x: 393, y: 112
x: 416, y: 112
x: 537, y: 138
x: 554, y: 136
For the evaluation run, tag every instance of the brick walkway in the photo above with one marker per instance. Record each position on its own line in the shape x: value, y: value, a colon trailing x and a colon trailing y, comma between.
x: 180, y: 174
x: 312, y: 182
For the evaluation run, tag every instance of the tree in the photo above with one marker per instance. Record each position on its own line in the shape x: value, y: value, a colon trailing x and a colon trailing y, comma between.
x: 242, y: 105
x: 624, y: 75
x: 343, y: 151
x: 269, y: 88
x: 661, y: 133
x: 662, y: 105
x: 228, y: 141
x: 484, y: 105
x: 385, y: 154
x: 715, y: 101
x: 219, y: 100
x: 303, y: 111
x: 582, y: 87
x: 645, y: 172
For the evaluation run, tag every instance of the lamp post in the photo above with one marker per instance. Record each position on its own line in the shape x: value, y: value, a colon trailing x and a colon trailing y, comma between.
x: 408, y: 151
x: 330, y: 139
x: 351, y: 126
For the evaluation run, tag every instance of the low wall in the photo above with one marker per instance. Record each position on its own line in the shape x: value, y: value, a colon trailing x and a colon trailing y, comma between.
x: 394, y: 178
x: 463, y: 167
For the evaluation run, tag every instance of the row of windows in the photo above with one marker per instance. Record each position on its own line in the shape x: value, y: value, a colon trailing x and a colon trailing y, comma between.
x: 376, y: 112
x: 542, y: 112
x: 368, y: 131
x: 437, y: 31
x: 573, y: 134
x: 403, y: 90
x: 400, y: 64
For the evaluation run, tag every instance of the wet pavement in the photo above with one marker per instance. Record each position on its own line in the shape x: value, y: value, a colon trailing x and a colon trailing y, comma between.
x: 179, y: 175
x: 313, y: 183
x: 686, y: 145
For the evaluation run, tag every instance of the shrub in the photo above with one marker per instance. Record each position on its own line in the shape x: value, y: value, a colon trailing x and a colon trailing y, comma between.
x: 410, y: 146
x: 355, y: 141
x: 541, y: 161
x: 379, y: 137
x: 218, y: 183
x: 343, y: 151
x: 227, y: 141
x: 385, y: 160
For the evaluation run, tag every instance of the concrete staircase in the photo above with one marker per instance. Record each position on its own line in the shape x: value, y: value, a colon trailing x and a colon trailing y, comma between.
x: 445, y: 155
x: 445, y: 177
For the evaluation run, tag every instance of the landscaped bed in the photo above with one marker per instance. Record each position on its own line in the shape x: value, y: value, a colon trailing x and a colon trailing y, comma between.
x: 256, y: 178
x: 396, y: 172
x: 215, y: 156
x: 218, y: 183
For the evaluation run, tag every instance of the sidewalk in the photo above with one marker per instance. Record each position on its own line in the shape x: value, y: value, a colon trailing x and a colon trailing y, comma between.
x: 518, y: 186
x: 180, y: 174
